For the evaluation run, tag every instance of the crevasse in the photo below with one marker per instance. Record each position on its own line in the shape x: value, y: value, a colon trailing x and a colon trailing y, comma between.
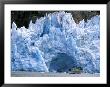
x: 55, y: 43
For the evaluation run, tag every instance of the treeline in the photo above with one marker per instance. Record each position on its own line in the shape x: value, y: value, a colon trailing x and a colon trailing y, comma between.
x: 22, y: 18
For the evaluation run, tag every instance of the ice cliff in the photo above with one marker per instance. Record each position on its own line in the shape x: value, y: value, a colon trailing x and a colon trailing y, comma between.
x: 55, y: 43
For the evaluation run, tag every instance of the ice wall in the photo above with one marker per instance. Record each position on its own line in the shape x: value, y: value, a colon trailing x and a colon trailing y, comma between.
x: 35, y: 48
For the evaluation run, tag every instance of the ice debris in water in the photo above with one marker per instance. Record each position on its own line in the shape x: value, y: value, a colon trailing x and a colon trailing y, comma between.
x: 55, y: 43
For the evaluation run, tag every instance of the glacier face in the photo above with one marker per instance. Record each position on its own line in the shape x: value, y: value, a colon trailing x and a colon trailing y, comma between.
x: 55, y: 43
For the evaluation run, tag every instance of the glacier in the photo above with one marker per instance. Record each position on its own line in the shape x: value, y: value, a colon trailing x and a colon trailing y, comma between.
x: 55, y: 43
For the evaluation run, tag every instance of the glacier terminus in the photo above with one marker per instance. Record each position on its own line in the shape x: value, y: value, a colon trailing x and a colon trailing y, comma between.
x: 55, y: 43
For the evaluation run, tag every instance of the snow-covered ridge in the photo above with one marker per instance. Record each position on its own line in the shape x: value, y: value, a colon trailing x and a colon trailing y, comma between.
x: 55, y: 43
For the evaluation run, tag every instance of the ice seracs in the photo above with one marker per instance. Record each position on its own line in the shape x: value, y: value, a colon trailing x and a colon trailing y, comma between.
x: 43, y: 45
